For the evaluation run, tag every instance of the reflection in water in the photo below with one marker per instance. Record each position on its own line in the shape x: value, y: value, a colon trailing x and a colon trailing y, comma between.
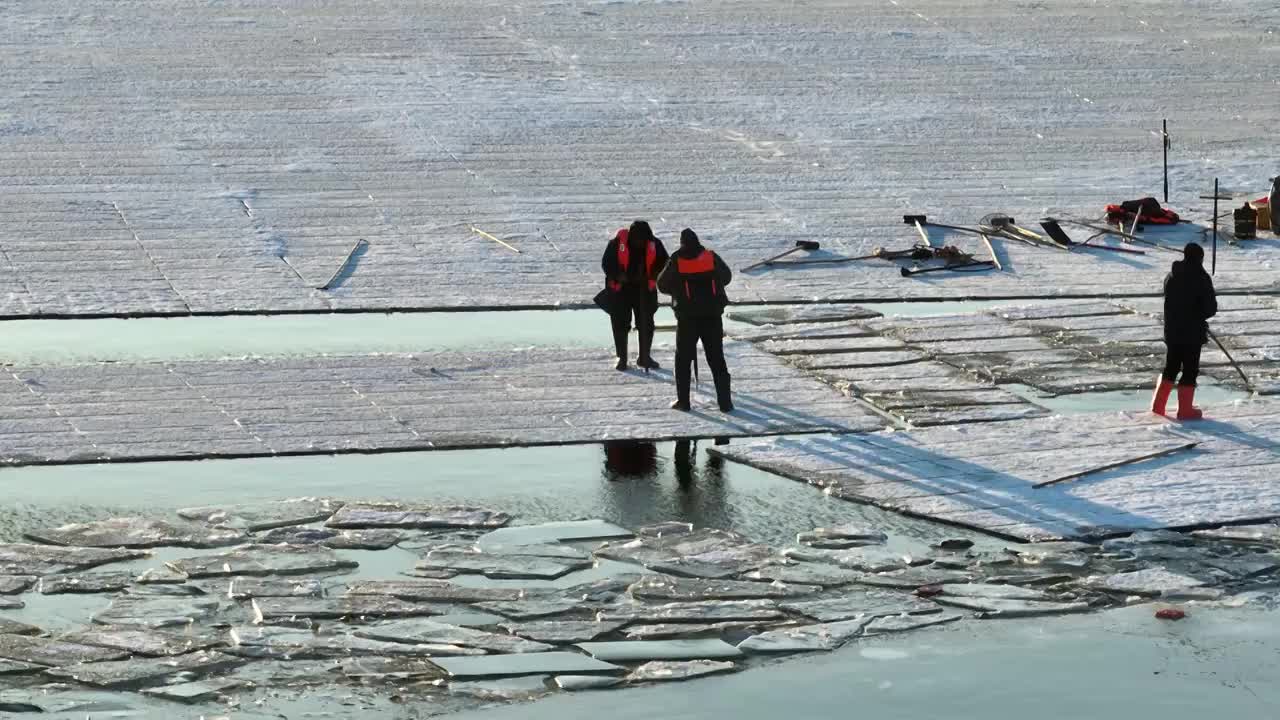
x: 638, y: 485
x: 629, y: 459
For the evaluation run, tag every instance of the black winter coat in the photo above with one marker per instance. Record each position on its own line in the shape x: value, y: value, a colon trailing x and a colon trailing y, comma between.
x: 1189, y: 301
x: 670, y: 283
x: 613, y: 271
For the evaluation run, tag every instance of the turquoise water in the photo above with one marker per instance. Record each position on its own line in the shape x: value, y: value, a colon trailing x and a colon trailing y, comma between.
x: 192, y: 338
x: 1219, y: 662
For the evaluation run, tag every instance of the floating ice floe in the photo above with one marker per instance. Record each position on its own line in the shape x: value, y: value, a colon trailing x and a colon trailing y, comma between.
x: 805, y: 573
x: 548, y: 663
x: 434, y: 591
x: 263, y: 560
x: 96, y: 582
x: 258, y: 517
x: 505, y: 566
x: 286, y: 643
x: 696, y: 612
x: 870, y: 559
x: 687, y: 589
x: 561, y: 631
x: 14, y: 584
x: 282, y: 609
x: 429, y: 632
x: 156, y: 611
x: 142, y: 641
x: 56, y: 653
x: 137, y: 532
x: 1149, y: 582
x: 805, y: 638
x: 403, y: 515
x: 137, y: 672
x: 24, y: 559
x: 636, y: 650
x: 663, y: 670
x: 903, y: 623
x: 871, y: 603
x: 1006, y: 608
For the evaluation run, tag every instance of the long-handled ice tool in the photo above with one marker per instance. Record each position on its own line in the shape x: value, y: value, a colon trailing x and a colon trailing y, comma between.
x: 809, y: 245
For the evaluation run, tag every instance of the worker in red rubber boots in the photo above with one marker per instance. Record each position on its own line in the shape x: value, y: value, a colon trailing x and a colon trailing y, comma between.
x: 1189, y: 302
x: 695, y: 279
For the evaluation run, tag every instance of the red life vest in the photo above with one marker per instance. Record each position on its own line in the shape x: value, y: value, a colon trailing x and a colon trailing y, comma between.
x: 624, y: 259
x: 699, y: 270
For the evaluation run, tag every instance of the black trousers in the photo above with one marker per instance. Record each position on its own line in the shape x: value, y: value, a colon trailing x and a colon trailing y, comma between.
x: 710, y: 332
x: 1185, y: 358
x: 643, y: 305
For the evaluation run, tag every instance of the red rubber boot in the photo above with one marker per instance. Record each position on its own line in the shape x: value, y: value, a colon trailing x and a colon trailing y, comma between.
x: 1160, y: 401
x: 1187, y: 409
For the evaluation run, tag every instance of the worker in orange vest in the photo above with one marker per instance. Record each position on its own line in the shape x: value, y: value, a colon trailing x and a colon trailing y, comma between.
x: 695, y: 279
x: 631, y: 264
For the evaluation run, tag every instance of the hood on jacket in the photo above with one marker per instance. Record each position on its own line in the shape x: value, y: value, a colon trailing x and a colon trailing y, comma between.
x: 690, y: 245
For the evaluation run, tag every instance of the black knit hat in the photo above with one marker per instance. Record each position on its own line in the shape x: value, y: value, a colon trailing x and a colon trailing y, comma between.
x: 689, y: 239
x: 1194, y: 253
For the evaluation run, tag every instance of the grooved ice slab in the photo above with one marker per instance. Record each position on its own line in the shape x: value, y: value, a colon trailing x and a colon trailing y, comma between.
x: 263, y: 560
x: 85, y: 583
x: 871, y: 603
x: 903, y: 623
x: 427, y: 631
x: 144, y: 642
x: 554, y: 663
x: 805, y: 574
x: 982, y: 475
x: 14, y: 584
x: 1003, y: 607
x: 561, y: 631
x: 15, y: 667
x: 283, y: 643
x: 21, y: 559
x: 136, y: 533
x: 500, y: 566
x: 434, y: 591
x: 156, y: 611
x: 150, y: 671
x: 825, y: 636
x: 1148, y: 582
x: 703, y: 553
x: 637, y: 650
x: 13, y: 627
x: 666, y: 670
x: 44, y: 651
x: 398, y: 515
x: 276, y: 609
x: 392, y: 402
x: 244, y: 588
x: 694, y: 612
x: 667, y: 588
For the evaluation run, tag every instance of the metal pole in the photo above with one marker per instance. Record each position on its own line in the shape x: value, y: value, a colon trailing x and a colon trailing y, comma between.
x: 1214, y: 269
x: 1164, y: 140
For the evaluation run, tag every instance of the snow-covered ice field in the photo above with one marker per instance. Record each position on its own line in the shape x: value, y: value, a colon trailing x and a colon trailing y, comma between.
x: 187, y: 157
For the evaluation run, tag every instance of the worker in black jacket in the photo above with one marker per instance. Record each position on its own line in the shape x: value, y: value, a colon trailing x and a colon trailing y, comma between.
x: 1189, y: 301
x: 631, y: 264
x: 695, y: 279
